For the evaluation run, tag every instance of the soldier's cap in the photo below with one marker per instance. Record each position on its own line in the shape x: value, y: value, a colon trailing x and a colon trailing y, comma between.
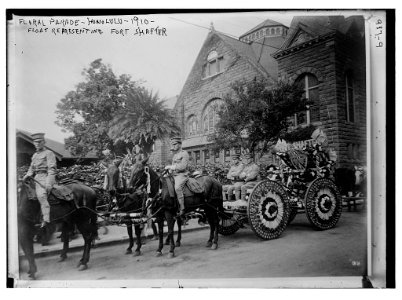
x: 38, y: 137
x: 175, y: 140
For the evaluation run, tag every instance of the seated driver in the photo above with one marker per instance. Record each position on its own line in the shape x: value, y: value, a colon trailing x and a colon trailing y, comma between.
x: 232, y: 175
x: 248, y: 177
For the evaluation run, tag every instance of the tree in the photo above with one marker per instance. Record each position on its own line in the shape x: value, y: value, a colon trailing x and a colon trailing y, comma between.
x: 92, y: 112
x: 255, y: 114
x: 143, y: 120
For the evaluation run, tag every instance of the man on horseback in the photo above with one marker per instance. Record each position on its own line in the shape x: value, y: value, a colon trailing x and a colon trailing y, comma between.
x: 43, y: 167
x: 179, y: 168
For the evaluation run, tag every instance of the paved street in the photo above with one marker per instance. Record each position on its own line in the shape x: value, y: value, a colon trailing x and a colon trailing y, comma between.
x: 299, y: 252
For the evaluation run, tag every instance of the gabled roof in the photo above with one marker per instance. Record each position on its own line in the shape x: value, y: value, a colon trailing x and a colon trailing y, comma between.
x: 256, y: 53
x: 244, y: 49
x: 56, y: 147
x: 266, y: 23
x: 316, y: 27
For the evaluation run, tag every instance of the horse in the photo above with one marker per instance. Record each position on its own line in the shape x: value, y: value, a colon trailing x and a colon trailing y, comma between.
x: 78, y: 212
x: 164, y: 206
x: 128, y: 200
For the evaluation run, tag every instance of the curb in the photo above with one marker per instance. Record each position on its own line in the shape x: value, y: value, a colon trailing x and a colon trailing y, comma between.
x: 76, y: 248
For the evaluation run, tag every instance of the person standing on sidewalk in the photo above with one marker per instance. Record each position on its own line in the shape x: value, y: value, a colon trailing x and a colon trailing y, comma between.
x: 43, y: 169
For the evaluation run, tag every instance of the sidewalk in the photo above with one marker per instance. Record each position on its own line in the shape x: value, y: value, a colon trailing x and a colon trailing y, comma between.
x: 108, y: 235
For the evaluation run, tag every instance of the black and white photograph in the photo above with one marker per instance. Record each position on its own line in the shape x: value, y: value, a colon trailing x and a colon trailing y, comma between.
x: 197, y: 148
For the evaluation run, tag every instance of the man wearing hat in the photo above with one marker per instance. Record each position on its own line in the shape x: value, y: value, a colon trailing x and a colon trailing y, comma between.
x: 248, y: 177
x: 43, y: 167
x: 179, y: 168
x: 233, y: 175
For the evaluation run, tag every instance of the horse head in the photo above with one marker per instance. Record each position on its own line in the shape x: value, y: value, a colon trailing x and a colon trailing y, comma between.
x: 27, y: 203
x: 144, y: 179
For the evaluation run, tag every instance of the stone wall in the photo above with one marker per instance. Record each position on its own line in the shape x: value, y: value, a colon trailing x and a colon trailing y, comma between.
x: 329, y: 60
x: 198, y: 91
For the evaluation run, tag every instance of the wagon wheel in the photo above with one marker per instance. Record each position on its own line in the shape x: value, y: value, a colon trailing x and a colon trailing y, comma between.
x: 229, y: 226
x: 268, y: 209
x: 323, y: 203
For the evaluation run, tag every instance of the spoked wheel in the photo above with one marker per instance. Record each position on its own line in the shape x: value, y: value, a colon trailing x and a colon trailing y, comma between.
x: 268, y: 209
x: 229, y: 226
x: 323, y: 203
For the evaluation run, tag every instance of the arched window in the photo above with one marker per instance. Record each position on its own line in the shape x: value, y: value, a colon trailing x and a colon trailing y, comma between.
x: 267, y: 31
x: 278, y: 30
x: 192, y: 125
x: 349, y: 95
x: 214, y: 64
x: 310, y: 84
x: 272, y: 31
x: 210, y: 116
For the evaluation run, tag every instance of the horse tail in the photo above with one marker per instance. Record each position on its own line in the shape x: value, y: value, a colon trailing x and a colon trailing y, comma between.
x: 220, y: 201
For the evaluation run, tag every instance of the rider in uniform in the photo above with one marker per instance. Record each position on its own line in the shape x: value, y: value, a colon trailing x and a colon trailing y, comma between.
x: 43, y: 167
x: 179, y: 168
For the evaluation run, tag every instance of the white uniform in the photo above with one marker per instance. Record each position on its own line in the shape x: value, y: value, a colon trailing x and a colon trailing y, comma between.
x: 43, y: 166
x: 180, y: 172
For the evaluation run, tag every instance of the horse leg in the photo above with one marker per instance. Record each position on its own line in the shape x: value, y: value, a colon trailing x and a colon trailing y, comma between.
x: 167, y: 241
x: 138, y: 242
x: 154, y: 230
x: 26, y: 241
x: 88, y: 232
x: 179, y: 223
x: 214, y: 228
x: 170, y: 222
x: 211, y: 229
x: 130, y: 237
x: 160, y: 222
x: 65, y: 238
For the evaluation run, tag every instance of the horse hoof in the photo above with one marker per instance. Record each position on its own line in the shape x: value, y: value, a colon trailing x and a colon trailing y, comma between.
x: 137, y: 253
x: 158, y: 254
x: 83, y: 267
x: 129, y: 251
x: 62, y: 258
x: 214, y: 246
x: 208, y: 245
x: 170, y: 255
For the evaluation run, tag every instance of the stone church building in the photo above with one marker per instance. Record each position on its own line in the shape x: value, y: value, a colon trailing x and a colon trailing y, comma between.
x: 221, y: 61
x: 325, y: 54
